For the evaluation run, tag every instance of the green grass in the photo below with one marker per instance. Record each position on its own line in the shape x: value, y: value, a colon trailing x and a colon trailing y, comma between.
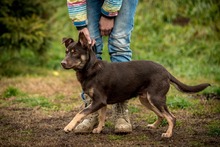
x: 115, y: 137
x: 214, y: 128
x: 177, y: 102
x: 133, y: 109
x: 35, y: 101
x: 213, y: 89
x: 151, y: 118
x: 109, y: 124
x: 11, y: 91
x: 189, y: 51
x: 24, y: 98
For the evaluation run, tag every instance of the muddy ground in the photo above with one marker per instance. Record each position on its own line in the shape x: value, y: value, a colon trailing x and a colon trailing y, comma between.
x: 35, y: 126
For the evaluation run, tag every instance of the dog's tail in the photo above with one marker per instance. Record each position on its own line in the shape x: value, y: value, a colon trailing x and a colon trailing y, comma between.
x: 186, y: 88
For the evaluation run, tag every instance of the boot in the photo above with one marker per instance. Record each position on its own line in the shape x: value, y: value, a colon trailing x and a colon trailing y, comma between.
x: 89, y: 123
x: 121, y: 117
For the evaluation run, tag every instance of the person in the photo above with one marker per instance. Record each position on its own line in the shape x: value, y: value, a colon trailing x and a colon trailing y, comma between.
x: 115, y: 19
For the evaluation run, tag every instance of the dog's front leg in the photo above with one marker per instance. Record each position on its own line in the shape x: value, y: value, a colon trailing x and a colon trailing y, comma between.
x: 102, y: 115
x: 94, y: 106
x: 79, y: 116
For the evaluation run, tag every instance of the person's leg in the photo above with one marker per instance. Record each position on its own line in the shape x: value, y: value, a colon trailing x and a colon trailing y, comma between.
x: 93, y: 14
x: 120, y: 37
x: 119, y: 50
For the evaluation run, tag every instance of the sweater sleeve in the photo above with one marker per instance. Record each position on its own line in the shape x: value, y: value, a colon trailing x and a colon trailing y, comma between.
x: 110, y: 8
x: 77, y: 12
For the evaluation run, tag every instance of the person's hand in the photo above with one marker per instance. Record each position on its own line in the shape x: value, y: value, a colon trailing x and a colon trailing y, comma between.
x: 85, y: 31
x: 106, y: 25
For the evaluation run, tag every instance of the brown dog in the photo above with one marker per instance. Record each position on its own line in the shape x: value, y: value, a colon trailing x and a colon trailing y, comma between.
x: 109, y: 83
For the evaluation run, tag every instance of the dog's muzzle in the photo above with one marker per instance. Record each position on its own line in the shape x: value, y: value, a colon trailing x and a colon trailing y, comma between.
x: 64, y: 63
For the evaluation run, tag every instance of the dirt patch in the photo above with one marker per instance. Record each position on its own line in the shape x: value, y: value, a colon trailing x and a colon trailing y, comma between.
x: 30, y: 127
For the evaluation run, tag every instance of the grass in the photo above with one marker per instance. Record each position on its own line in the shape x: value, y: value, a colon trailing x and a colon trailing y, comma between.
x: 133, y: 109
x: 35, y: 101
x: 115, y: 137
x: 214, y: 128
x: 24, y: 98
x: 109, y: 124
x: 11, y: 91
x: 177, y: 102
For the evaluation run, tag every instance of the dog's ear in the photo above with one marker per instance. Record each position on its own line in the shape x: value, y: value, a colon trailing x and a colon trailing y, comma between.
x: 67, y: 41
x: 83, y: 40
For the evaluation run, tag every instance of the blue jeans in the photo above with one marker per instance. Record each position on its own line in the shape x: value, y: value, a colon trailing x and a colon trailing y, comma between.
x: 120, y: 37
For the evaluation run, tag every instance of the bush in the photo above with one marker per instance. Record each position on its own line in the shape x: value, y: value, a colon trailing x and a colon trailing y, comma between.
x: 24, y: 25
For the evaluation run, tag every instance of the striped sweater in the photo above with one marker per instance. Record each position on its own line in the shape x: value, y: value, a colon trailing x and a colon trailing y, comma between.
x: 78, y: 13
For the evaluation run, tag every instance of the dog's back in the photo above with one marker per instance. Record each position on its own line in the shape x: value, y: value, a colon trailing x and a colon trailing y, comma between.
x: 122, y: 81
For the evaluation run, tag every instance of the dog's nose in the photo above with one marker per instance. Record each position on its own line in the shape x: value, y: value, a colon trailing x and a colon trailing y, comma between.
x: 63, y: 63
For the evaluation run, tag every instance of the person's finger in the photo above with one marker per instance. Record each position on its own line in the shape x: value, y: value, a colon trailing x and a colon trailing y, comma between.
x: 87, y: 35
x: 93, y: 42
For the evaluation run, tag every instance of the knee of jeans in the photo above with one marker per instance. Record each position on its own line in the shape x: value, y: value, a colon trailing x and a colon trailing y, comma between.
x: 119, y: 48
x: 120, y: 41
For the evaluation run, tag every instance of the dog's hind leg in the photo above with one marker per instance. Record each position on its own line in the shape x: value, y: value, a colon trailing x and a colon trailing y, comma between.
x: 102, y: 115
x: 160, y: 103
x: 145, y: 100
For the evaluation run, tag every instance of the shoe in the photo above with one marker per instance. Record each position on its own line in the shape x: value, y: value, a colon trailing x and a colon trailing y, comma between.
x: 121, y: 117
x: 88, y: 124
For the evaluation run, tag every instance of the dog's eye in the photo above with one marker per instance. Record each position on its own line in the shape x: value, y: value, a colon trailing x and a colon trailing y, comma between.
x: 73, y: 51
x: 67, y: 51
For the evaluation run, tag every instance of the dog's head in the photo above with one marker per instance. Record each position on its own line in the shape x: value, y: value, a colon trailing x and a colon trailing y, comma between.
x: 78, y: 54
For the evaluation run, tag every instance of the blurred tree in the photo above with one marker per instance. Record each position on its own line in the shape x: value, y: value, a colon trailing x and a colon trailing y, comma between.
x: 25, y: 25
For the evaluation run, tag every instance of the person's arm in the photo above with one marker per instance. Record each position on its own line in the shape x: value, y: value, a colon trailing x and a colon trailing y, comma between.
x: 78, y: 15
x: 77, y: 12
x: 110, y: 8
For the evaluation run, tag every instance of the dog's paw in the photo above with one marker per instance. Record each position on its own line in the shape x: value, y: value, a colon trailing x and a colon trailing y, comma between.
x: 151, y: 126
x: 166, y: 135
x: 68, y: 128
x: 97, y: 130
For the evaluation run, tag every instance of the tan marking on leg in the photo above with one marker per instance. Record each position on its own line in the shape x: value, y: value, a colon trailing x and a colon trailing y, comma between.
x: 79, y: 116
x: 102, y: 115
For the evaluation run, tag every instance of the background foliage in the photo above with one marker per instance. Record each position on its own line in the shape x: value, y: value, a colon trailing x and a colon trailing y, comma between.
x: 182, y: 35
x: 25, y: 31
